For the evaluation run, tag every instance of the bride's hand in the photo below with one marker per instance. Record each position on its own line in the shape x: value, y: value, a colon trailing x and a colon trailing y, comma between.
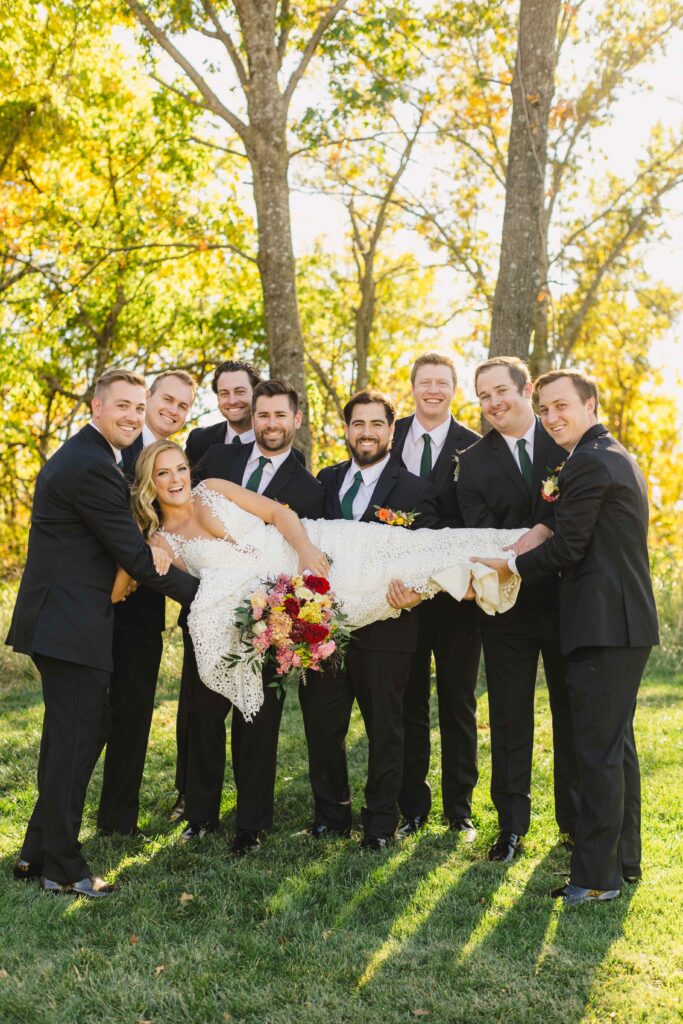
x: 314, y: 560
x: 162, y: 559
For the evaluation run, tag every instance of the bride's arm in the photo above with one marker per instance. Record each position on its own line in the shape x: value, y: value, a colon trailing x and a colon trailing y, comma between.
x: 279, y: 516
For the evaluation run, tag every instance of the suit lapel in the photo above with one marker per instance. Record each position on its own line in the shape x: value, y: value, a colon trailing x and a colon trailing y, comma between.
x: 383, y: 489
x: 595, y: 431
x: 281, y: 477
x: 340, y: 472
x: 542, y: 459
x: 444, y: 470
x: 400, y: 435
x: 129, y: 456
x: 238, y: 463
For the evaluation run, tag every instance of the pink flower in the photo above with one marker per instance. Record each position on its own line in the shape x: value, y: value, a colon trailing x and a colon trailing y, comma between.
x: 326, y: 649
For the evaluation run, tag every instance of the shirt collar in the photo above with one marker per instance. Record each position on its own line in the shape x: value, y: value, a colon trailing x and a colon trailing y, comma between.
x: 116, y: 451
x: 276, y: 460
x: 438, y: 434
x: 246, y: 438
x: 528, y: 437
x: 147, y: 436
x: 370, y: 474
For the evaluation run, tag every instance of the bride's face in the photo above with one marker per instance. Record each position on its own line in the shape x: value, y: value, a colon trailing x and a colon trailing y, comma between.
x: 171, y: 477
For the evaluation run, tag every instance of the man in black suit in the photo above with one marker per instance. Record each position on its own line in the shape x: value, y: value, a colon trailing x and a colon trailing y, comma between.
x: 427, y: 444
x: 608, y: 625
x: 377, y: 662
x: 499, y: 486
x: 81, y: 527
x: 270, y: 467
x: 233, y: 384
x: 139, y: 623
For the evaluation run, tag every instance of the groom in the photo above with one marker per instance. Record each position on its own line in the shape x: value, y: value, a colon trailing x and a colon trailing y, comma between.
x: 81, y: 528
x: 608, y: 625
x: 270, y: 467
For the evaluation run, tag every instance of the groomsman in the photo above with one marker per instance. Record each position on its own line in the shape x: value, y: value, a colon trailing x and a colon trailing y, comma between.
x: 233, y: 384
x: 499, y: 485
x: 378, y: 659
x: 608, y: 625
x: 139, y: 622
x: 428, y: 443
x: 271, y: 467
x: 81, y: 528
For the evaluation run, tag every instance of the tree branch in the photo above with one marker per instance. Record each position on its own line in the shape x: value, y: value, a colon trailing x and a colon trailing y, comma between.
x: 226, y: 40
x: 311, y: 47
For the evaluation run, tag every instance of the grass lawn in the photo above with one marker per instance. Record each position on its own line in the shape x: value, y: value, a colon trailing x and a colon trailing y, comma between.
x: 317, y: 933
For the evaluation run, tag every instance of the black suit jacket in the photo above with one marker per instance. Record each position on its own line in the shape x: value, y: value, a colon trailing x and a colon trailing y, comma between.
x: 81, y: 528
x: 201, y: 439
x: 143, y: 614
x: 600, y: 549
x: 442, y: 476
x: 400, y: 490
x: 292, y: 484
x: 492, y: 493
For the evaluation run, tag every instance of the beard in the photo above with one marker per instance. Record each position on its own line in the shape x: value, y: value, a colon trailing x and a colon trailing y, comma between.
x: 369, y: 458
x: 275, y: 442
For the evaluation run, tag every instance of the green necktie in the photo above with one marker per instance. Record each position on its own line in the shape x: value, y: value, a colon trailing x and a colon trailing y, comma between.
x: 350, y: 496
x: 236, y: 439
x: 255, y: 478
x: 525, y: 463
x: 426, y: 460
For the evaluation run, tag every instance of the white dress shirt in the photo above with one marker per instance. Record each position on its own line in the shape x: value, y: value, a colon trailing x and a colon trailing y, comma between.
x: 511, y: 442
x: 147, y: 436
x: 269, y: 470
x: 371, y: 475
x: 246, y: 438
x: 414, y: 444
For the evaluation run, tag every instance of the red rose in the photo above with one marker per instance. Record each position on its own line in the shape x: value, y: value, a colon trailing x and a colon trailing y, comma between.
x: 318, y: 584
x: 314, y: 633
x: 292, y: 607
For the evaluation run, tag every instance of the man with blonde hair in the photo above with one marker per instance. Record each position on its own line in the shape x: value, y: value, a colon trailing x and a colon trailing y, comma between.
x: 81, y: 529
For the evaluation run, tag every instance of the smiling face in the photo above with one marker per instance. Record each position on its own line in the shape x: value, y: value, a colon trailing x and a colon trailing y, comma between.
x: 119, y: 412
x: 368, y: 433
x: 564, y: 414
x: 171, y: 478
x: 234, y: 392
x: 433, y: 391
x: 503, y: 405
x: 168, y: 407
x: 275, y: 423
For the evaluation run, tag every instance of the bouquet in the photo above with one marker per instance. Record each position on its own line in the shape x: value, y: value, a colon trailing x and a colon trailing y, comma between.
x: 293, y: 623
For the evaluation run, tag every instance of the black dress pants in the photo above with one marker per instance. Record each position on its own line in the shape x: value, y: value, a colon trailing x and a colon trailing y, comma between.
x: 205, y: 770
x: 378, y: 681
x: 511, y: 665
x: 603, y: 687
x: 254, y: 759
x: 75, y: 724
x: 182, y: 727
x: 326, y: 702
x: 131, y: 697
x: 456, y: 644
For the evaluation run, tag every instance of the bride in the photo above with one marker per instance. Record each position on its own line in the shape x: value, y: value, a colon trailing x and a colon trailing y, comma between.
x: 234, y: 540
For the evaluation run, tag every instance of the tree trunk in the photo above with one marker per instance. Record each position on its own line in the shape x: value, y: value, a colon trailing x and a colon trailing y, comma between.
x: 521, y: 285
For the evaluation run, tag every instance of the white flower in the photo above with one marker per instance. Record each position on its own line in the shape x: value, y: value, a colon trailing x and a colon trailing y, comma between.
x: 303, y: 593
x: 259, y: 627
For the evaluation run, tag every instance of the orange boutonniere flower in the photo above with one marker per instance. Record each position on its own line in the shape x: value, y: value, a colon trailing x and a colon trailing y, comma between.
x: 550, y: 489
x: 395, y: 518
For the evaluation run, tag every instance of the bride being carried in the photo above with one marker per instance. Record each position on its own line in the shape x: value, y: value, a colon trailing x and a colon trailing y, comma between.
x: 234, y: 540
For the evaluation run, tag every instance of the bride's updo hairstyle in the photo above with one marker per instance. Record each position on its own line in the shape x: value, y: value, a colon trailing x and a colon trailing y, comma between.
x: 143, y: 499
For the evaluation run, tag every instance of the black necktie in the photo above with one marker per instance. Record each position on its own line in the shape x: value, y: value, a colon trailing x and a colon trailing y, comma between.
x: 426, y: 460
x: 236, y: 439
x: 255, y: 478
x: 525, y: 463
x: 350, y: 496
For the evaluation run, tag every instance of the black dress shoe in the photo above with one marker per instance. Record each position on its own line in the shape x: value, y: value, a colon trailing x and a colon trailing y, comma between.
x: 409, y: 826
x: 27, y: 871
x: 375, y: 842
x: 91, y: 887
x: 505, y: 848
x: 197, y: 830
x: 632, y: 879
x: 245, y: 841
x: 320, y: 831
x: 576, y: 894
x: 178, y: 810
x: 464, y: 827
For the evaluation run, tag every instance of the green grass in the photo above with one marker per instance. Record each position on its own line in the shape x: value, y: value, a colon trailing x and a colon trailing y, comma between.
x: 317, y: 933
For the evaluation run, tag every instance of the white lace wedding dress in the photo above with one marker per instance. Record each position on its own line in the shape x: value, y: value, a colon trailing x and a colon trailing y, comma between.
x: 364, y: 558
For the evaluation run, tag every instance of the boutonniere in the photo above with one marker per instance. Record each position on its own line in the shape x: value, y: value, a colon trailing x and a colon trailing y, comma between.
x: 394, y: 517
x: 550, y: 489
x: 456, y: 467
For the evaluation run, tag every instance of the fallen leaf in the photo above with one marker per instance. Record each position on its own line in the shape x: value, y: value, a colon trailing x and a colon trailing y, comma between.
x: 133, y: 939
x: 3, y: 973
x: 420, y: 1013
x: 185, y: 897
x: 159, y: 969
x: 326, y: 935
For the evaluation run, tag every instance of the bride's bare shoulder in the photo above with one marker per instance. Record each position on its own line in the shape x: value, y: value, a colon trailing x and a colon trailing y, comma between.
x: 224, y: 487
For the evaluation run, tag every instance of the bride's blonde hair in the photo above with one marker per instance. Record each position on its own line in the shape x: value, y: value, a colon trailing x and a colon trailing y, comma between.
x: 143, y: 492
